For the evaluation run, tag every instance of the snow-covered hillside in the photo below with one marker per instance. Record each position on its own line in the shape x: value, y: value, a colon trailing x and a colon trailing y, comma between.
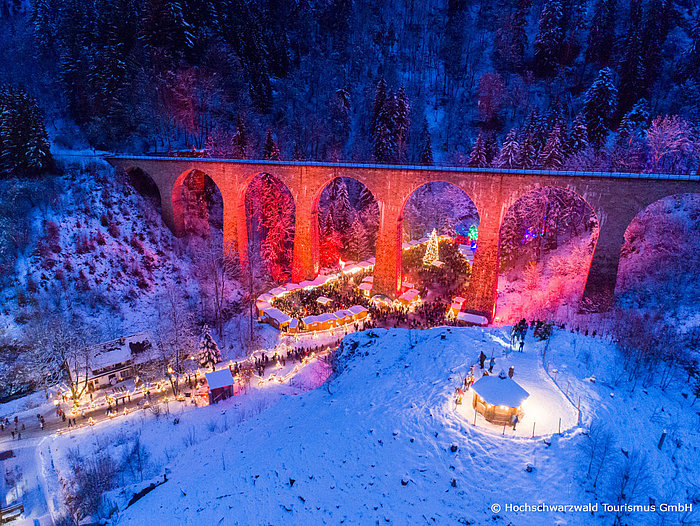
x: 382, y: 442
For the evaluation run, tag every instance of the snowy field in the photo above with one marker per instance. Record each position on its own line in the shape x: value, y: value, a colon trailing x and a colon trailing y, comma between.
x: 381, y: 442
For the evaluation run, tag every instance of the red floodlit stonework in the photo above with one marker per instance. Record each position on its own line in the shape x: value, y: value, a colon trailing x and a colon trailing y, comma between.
x: 615, y: 198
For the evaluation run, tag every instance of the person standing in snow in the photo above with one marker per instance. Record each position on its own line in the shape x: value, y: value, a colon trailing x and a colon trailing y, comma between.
x: 514, y: 419
x: 511, y: 371
x: 491, y: 364
x: 522, y: 343
x: 482, y: 359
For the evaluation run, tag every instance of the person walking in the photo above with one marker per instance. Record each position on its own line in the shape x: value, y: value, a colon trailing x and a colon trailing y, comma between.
x: 491, y: 364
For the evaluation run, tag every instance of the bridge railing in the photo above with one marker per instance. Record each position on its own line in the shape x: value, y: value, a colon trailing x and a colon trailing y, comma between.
x: 693, y: 176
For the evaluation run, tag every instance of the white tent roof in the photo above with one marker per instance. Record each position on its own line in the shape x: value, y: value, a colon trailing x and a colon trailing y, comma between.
x: 277, y: 291
x: 365, y: 286
x: 323, y: 300
x: 220, y: 378
x: 409, y: 295
x: 356, y: 309
x: 460, y: 300
x: 277, y: 315
x: 500, y: 391
x: 473, y: 318
x: 368, y: 279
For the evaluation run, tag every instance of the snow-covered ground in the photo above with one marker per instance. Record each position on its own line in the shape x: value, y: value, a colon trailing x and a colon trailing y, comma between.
x: 383, y: 441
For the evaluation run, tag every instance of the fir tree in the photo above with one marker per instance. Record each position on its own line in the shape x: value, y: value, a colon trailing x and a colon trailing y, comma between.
x: 400, y: 120
x: 634, y: 123
x: 377, y: 110
x: 240, y: 140
x: 549, y: 38
x: 209, y: 354
x: 528, y: 153
x: 358, y: 244
x: 599, y: 106
x: 298, y: 152
x: 270, y: 150
x: 601, y: 35
x: 340, y: 208
x: 632, y: 68
x: 578, y: 139
x: 426, y: 150
x: 510, y: 154
x: 552, y: 156
x: 477, y: 158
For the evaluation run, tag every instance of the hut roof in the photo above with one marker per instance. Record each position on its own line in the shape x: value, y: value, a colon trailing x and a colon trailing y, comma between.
x: 277, y: 315
x: 220, y: 378
x: 500, y: 391
x: 472, y: 318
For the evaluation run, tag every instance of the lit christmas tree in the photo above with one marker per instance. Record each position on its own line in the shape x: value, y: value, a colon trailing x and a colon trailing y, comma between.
x: 209, y: 353
x: 431, y: 253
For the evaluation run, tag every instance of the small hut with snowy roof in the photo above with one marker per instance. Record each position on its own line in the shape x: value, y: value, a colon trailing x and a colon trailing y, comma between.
x: 498, y: 398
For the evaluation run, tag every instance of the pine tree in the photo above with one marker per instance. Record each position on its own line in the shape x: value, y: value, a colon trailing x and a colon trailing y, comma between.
x: 240, y: 140
x: 552, y: 156
x: 432, y: 250
x: 632, y: 68
x: 378, y: 109
x: 209, y: 354
x: 426, y: 151
x: 601, y: 36
x: 298, y: 152
x: 358, y: 244
x: 510, y: 154
x: 340, y: 122
x: 341, y: 210
x: 578, y: 139
x: 634, y: 123
x: 528, y: 153
x: 401, y: 121
x: 270, y: 150
x: 510, y: 42
x: 477, y: 158
x: 659, y: 20
x: 599, y: 106
x: 549, y: 38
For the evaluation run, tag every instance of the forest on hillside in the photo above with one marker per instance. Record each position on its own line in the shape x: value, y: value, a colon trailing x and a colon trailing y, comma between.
x: 578, y: 84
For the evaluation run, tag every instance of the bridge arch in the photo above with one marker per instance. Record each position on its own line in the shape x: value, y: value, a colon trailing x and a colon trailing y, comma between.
x: 252, y: 216
x: 659, y: 256
x: 532, y: 224
x: 362, y: 207
x: 196, y: 184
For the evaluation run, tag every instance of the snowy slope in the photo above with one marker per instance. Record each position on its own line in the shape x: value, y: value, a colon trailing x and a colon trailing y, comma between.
x: 375, y: 445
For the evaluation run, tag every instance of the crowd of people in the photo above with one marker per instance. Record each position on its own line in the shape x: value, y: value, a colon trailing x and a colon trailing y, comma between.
x: 342, y: 292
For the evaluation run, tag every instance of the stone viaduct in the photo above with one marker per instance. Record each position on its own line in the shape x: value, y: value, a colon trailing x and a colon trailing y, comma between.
x: 615, y: 198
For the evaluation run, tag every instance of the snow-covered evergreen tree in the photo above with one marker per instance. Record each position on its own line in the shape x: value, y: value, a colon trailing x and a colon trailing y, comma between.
x: 549, y: 38
x: 552, y: 156
x: 632, y: 69
x: 426, y: 150
x: 270, y: 150
x: 477, y: 157
x: 510, y: 154
x: 578, y: 138
x: 527, y: 151
x: 240, y: 139
x: 634, y: 123
x: 601, y: 36
x: 209, y: 354
x: 599, y: 106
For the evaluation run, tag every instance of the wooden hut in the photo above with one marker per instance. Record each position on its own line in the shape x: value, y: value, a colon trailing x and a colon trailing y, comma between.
x: 276, y: 318
x: 359, y: 312
x: 221, y: 385
x: 409, y: 297
x: 498, y: 398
